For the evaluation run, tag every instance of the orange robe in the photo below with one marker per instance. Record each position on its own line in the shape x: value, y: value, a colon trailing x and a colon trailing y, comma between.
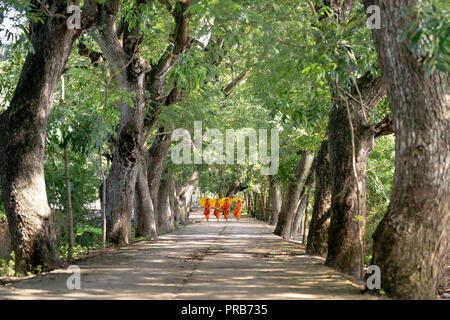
x: 207, y: 210
x: 217, y: 210
x: 237, y: 210
x: 226, y: 210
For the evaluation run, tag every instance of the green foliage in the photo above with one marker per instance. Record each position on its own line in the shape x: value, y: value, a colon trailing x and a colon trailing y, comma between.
x: 7, y: 266
x: 429, y: 34
x: 82, y: 123
x: 380, y: 172
x: 88, y: 236
x: 84, y: 181
x: 9, y: 76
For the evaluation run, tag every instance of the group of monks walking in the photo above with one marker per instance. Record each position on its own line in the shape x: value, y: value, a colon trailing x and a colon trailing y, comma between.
x: 225, y: 208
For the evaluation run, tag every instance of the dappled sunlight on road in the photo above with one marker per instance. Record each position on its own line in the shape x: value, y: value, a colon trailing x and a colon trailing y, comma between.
x: 204, y: 260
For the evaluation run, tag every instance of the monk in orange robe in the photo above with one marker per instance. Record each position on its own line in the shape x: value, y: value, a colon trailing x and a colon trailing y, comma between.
x: 217, y: 209
x: 226, y: 209
x: 207, y: 209
x: 237, y: 210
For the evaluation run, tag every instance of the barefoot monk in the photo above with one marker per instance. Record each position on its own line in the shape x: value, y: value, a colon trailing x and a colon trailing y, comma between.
x: 226, y: 209
x: 217, y: 209
x: 237, y: 210
x: 207, y: 209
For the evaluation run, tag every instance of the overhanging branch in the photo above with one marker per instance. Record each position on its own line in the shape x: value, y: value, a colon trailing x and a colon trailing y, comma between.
x: 384, y: 127
x: 230, y: 87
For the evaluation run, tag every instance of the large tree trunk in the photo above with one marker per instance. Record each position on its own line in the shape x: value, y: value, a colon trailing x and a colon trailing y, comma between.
x: 120, y: 186
x: 165, y: 214
x: 274, y: 199
x: 156, y: 156
x: 261, y: 206
x: 185, y: 195
x: 348, y: 199
x: 22, y: 140
x: 145, y: 217
x: 146, y: 198
x: 290, y: 202
x: 121, y: 181
x: 349, y: 145
x: 411, y: 242
x: 317, y: 242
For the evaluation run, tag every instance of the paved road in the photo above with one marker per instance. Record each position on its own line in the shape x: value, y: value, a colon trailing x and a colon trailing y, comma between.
x: 214, y: 260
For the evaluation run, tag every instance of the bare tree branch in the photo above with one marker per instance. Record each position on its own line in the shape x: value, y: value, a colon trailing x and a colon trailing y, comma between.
x: 230, y: 87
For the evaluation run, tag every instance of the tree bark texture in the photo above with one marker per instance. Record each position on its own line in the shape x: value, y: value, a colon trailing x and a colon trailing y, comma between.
x: 145, y: 217
x: 348, y: 193
x: 317, y: 242
x: 411, y: 242
x: 290, y: 202
x: 297, y: 222
x: 275, y: 200
x: 165, y: 214
x: 156, y: 157
x: 185, y: 196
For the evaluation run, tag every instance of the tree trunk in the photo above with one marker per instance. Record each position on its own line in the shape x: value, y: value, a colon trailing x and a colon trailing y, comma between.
x: 121, y: 181
x: 320, y: 219
x: 103, y: 196
x: 290, y: 202
x: 120, y: 186
x: 349, y: 144
x: 411, y: 242
x: 305, y: 222
x: 261, y: 206
x: 69, y: 205
x: 156, y: 156
x: 185, y: 195
x: 145, y: 217
x: 131, y: 69
x: 175, y: 204
x: 297, y: 218
x: 22, y: 141
x: 297, y: 226
x: 274, y: 199
x: 345, y: 232
x: 165, y: 214
x: 146, y: 198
